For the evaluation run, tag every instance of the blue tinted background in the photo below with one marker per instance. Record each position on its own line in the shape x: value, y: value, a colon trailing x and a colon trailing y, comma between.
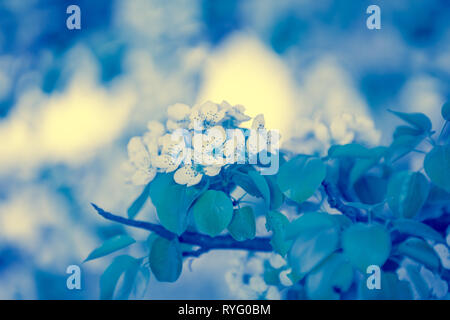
x: 129, y: 61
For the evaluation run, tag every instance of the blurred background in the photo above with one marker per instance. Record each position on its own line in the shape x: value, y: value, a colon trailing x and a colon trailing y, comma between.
x: 71, y: 99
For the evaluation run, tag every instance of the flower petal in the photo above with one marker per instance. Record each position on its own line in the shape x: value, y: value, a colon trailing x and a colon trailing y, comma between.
x: 178, y: 111
x: 187, y: 175
x: 212, y: 170
x: 138, y: 154
x: 142, y: 177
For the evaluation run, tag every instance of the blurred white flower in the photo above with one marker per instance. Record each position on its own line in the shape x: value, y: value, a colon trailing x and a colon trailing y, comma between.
x: 285, y: 279
x: 257, y: 284
x: 140, y: 160
x: 439, y: 287
x: 273, y: 293
x: 277, y: 261
x: 444, y: 254
x: 234, y: 113
x: 178, y: 116
x: 259, y: 122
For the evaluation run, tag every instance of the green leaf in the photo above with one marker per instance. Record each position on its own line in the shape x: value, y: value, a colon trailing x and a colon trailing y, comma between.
x: 128, y: 283
x: 300, y: 177
x: 334, y: 273
x: 366, y: 245
x: 243, y: 225
x: 111, y: 245
x: 271, y: 275
x: 316, y: 237
x: 415, y: 228
x: 137, y: 205
x: 342, y: 221
x: 371, y: 189
x: 360, y: 168
x: 165, y: 260
x: 362, y: 165
x: 406, y: 193
x: 111, y: 275
x: 172, y: 214
x: 438, y: 195
x: 352, y: 150
x: 391, y: 288
x: 213, y: 212
x: 418, y: 120
x: 401, y: 146
x: 420, y: 251
x: 437, y: 166
x: 277, y: 223
x: 261, y: 185
x: 276, y: 196
x: 445, y: 111
x: 406, y: 131
x: 244, y: 181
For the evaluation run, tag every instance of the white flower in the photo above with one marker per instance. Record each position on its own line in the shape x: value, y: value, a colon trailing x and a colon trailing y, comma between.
x: 171, y: 152
x: 273, y: 293
x: 151, y: 137
x: 262, y: 139
x: 178, y: 111
x: 234, y: 113
x: 178, y: 116
x: 190, y: 174
x: 205, y: 115
x: 187, y: 175
x: 234, y: 148
x: 259, y: 122
x: 444, y: 254
x: 346, y: 128
x: 208, y: 147
x: 439, y: 287
x: 140, y: 160
x: 155, y: 128
x: 284, y: 278
x: 277, y: 261
x: 258, y: 284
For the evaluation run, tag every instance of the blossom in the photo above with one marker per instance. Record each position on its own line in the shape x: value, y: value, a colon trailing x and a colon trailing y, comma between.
x: 140, y: 159
x: 346, y: 127
x: 261, y: 139
x: 207, y: 159
x: 178, y: 116
x: 206, y: 115
x: 180, y: 147
x: 234, y: 147
x: 208, y: 147
x: 234, y: 113
x: 188, y: 175
x: 171, y: 150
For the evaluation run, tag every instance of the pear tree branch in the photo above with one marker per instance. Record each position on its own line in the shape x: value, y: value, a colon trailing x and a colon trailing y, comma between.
x: 205, y: 242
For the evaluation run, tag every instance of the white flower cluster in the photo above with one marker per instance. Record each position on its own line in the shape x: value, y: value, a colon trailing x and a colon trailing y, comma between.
x: 246, y: 279
x: 318, y: 134
x: 197, y: 141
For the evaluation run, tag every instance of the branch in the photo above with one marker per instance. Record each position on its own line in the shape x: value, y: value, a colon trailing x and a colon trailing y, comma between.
x: 205, y: 242
x: 334, y: 200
